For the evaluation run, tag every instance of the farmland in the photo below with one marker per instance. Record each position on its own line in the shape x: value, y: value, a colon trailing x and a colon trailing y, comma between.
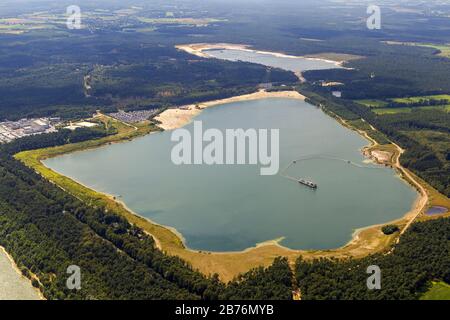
x: 382, y: 106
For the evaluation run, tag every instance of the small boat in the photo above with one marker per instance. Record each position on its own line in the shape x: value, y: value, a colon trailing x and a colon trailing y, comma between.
x: 307, y: 183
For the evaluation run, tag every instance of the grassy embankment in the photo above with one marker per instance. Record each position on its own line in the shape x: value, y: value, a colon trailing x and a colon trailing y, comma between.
x: 444, y: 50
x: 438, y: 291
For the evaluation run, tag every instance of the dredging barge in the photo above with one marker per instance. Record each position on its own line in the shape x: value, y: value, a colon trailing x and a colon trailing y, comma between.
x: 307, y: 183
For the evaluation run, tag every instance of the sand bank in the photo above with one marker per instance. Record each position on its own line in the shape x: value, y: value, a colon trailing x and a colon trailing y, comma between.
x: 178, y: 117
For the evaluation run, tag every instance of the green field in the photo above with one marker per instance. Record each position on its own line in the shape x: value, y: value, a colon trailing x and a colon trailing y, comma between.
x: 49, y: 20
x: 373, y: 103
x: 417, y: 99
x: 404, y: 110
x: 443, y: 48
x: 31, y: 22
x: 380, y: 106
x: 182, y: 21
x: 439, y: 291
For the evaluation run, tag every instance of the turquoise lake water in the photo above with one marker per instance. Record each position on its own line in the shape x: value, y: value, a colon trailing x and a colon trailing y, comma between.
x: 228, y: 208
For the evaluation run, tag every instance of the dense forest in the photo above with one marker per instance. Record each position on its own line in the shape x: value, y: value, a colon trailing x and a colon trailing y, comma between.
x: 135, y: 77
x: 47, y: 230
x: 274, y: 283
x: 180, y: 82
x: 59, y: 138
x: 422, y: 255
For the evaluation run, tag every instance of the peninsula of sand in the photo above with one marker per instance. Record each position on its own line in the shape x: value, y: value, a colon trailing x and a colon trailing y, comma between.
x: 179, y: 117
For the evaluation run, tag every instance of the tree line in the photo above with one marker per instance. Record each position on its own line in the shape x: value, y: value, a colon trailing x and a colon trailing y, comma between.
x: 46, y: 230
x: 423, y: 255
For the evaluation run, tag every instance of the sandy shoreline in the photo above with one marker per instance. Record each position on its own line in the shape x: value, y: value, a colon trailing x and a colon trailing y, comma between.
x: 198, y: 49
x: 179, y: 235
x: 380, y: 157
x: 172, y: 119
x: 229, y: 264
x: 175, y: 118
x: 179, y: 117
x: 157, y: 242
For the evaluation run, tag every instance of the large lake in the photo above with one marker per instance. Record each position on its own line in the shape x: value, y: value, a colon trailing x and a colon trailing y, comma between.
x: 295, y: 64
x: 228, y: 208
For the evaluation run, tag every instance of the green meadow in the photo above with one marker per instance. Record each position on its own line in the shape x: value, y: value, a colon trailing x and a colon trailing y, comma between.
x: 439, y: 291
x: 444, y: 49
x: 381, y: 106
x: 419, y: 98
x: 373, y: 103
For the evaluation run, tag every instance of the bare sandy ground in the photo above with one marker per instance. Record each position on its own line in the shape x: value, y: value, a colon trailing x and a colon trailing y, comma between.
x: 382, y: 156
x: 176, y: 118
x: 14, y: 286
